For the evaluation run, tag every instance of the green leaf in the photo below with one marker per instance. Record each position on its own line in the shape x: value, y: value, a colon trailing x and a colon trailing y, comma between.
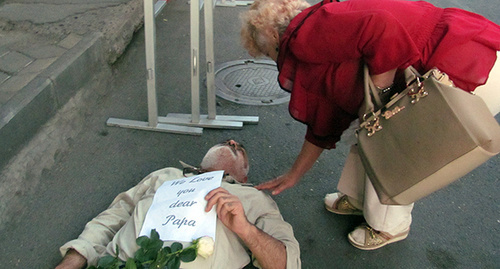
x: 159, y: 264
x: 130, y: 264
x: 188, y: 255
x: 107, y: 261
x: 149, y: 249
x: 156, y: 245
x: 155, y: 235
x: 142, y: 241
x: 176, y: 246
x: 151, y: 254
x: 141, y: 256
x: 174, y: 263
x: 161, y: 260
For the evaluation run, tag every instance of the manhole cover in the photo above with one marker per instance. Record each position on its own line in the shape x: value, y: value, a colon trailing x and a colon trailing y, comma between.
x: 250, y: 82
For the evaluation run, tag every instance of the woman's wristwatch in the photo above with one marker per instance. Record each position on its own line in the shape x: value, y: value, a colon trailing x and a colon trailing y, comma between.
x: 385, y: 89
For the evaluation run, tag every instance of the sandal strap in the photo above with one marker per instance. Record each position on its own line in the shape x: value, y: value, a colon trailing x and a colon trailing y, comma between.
x: 374, y: 234
x: 374, y: 237
x: 343, y: 203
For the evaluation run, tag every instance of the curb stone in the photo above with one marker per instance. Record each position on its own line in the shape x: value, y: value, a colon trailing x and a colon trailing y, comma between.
x: 37, y: 102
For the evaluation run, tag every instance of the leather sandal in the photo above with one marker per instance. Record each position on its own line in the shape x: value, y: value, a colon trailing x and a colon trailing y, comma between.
x: 339, y: 204
x: 366, y: 238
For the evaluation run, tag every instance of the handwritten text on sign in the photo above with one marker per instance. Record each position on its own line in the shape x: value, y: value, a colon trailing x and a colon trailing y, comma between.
x: 178, y: 209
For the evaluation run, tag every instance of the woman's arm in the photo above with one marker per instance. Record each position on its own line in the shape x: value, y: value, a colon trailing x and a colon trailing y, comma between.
x: 305, y: 160
x: 384, y: 80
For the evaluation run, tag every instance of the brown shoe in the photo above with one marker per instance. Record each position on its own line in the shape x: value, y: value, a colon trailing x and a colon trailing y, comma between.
x: 339, y: 204
x: 366, y: 238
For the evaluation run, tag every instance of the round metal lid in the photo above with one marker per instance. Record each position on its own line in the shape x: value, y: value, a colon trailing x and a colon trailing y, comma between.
x: 250, y: 82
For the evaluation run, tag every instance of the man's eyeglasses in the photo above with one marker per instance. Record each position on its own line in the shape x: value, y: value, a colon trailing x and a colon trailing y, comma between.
x: 193, y: 171
x: 190, y: 171
x: 235, y: 146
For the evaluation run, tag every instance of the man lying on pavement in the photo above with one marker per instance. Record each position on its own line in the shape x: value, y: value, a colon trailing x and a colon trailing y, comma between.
x: 250, y: 230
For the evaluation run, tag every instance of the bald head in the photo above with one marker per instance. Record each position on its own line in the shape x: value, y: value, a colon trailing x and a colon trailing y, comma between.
x: 229, y: 156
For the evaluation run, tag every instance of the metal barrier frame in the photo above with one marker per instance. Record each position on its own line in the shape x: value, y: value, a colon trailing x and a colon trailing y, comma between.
x: 175, y: 122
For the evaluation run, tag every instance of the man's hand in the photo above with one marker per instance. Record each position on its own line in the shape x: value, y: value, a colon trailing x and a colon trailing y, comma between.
x: 229, y: 210
x: 72, y: 260
x: 270, y: 252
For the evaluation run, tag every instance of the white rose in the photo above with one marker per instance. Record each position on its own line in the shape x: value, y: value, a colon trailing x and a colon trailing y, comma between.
x: 205, y: 246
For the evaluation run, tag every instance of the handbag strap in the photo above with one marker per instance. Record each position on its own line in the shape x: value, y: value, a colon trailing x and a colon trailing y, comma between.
x: 411, y: 74
x: 371, y: 93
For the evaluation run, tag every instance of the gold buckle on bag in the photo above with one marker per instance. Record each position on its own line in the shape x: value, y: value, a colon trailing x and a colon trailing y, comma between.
x: 417, y: 92
x: 373, y: 125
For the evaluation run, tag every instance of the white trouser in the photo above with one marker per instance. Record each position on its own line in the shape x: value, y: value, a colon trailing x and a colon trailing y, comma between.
x: 391, y: 219
x: 395, y: 219
x: 490, y: 92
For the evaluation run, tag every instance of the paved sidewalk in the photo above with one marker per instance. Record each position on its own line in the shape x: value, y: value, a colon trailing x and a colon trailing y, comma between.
x: 49, y: 49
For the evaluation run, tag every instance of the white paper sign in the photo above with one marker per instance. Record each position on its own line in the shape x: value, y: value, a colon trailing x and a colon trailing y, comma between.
x: 178, y: 209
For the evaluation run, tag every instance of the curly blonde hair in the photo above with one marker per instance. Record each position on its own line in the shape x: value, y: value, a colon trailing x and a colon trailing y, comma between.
x: 265, y: 15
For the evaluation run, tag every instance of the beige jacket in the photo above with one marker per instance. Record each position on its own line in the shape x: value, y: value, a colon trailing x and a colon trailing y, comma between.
x: 121, y: 223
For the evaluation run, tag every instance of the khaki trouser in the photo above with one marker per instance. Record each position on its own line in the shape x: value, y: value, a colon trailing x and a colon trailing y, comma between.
x: 354, y: 183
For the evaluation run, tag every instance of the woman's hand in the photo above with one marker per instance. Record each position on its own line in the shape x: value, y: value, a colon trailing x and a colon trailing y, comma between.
x: 307, y: 156
x: 279, y: 184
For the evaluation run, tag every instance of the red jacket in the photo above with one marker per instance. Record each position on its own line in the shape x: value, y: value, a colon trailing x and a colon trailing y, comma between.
x: 323, y: 50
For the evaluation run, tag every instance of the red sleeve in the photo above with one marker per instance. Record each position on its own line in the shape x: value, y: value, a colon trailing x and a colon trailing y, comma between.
x: 337, y: 36
x: 322, y: 142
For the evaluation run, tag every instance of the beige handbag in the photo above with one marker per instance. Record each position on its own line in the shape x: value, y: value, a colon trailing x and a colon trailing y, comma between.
x: 424, y: 138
